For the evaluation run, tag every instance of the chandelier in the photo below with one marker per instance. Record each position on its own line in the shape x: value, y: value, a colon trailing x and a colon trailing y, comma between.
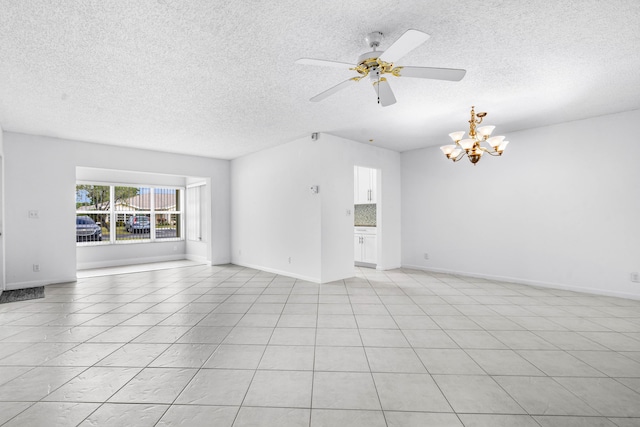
x: 471, y: 146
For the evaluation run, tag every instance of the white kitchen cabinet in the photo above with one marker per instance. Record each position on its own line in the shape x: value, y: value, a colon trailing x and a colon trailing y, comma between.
x: 365, y: 245
x: 357, y: 247
x: 364, y: 185
x: 369, y: 249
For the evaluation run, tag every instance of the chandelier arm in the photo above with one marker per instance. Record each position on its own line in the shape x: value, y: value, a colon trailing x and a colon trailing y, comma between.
x: 491, y: 151
x: 460, y: 156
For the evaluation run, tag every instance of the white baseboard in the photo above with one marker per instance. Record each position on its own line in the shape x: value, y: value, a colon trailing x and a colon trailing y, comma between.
x: 385, y: 267
x: 280, y: 272
x: 365, y: 264
x: 197, y: 258
x: 221, y: 261
x: 128, y: 261
x: 36, y: 283
x: 520, y: 281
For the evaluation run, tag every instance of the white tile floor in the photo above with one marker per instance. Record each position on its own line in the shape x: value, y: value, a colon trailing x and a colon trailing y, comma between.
x: 229, y: 346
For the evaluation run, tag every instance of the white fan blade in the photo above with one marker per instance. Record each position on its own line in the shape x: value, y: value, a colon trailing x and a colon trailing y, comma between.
x: 331, y: 91
x: 410, y: 40
x: 384, y: 92
x: 452, y: 74
x: 324, y: 63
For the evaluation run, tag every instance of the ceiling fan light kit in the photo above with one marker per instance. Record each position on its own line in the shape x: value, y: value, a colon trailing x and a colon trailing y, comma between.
x: 376, y: 64
x: 471, y: 147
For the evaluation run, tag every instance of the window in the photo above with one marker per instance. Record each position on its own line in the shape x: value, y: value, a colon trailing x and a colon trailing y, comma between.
x: 167, y: 213
x: 92, y: 213
x: 196, y: 226
x: 127, y: 214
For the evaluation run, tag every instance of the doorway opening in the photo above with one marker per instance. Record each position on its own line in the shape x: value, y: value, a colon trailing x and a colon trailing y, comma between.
x: 2, y: 281
x: 366, y: 214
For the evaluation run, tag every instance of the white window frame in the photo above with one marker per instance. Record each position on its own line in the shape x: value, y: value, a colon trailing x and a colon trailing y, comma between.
x: 196, y: 228
x: 113, y: 214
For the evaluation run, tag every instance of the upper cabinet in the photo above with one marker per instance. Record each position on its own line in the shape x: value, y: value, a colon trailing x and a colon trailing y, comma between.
x: 364, y: 185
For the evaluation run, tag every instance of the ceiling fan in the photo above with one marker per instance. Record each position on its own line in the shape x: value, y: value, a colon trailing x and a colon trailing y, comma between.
x: 376, y: 64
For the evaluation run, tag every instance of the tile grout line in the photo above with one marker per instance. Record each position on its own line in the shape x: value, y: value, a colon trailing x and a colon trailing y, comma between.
x: 255, y: 371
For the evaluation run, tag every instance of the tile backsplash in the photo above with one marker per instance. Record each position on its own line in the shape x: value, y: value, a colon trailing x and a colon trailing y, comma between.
x: 364, y: 215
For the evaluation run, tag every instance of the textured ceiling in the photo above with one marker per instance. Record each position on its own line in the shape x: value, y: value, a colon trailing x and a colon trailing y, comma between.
x: 218, y: 79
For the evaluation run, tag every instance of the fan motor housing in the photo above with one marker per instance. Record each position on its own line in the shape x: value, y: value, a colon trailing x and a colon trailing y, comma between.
x: 369, y: 59
x: 370, y: 65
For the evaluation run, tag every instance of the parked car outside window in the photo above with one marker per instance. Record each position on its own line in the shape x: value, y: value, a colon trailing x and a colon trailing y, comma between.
x: 87, y: 229
x: 138, y: 224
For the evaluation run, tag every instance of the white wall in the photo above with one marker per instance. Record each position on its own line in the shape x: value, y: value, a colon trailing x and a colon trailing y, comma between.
x: 41, y: 174
x: 2, y: 249
x: 560, y: 208
x: 129, y: 254
x: 275, y: 216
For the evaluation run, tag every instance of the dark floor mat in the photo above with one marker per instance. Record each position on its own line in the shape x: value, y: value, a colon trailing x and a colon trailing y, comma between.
x: 21, y: 294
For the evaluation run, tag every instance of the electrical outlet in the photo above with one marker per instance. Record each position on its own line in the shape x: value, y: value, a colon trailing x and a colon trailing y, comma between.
x: 36, y: 268
x: 33, y: 215
x: 240, y: 252
x: 289, y: 260
x: 426, y: 256
x: 635, y: 277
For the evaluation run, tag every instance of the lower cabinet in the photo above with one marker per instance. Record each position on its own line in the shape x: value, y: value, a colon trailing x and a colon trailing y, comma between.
x: 365, y: 247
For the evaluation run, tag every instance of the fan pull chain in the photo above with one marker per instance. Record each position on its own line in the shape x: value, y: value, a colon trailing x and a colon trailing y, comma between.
x: 378, y: 88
